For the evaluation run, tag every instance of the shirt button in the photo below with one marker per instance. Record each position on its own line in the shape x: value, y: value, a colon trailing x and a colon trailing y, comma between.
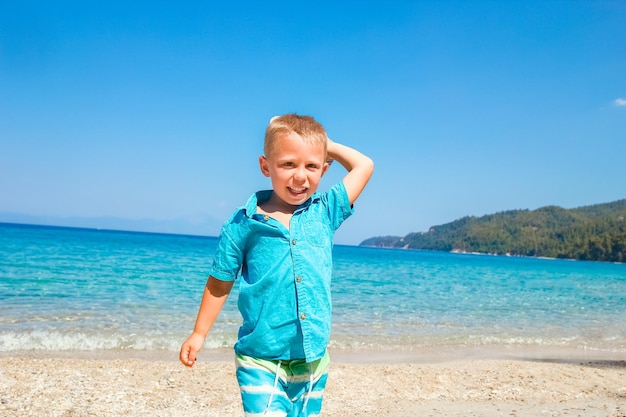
x: 299, y: 279
x: 303, y: 316
x: 293, y: 242
x: 266, y: 217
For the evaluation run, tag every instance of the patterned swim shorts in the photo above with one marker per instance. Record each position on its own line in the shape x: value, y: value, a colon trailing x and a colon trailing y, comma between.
x: 291, y: 388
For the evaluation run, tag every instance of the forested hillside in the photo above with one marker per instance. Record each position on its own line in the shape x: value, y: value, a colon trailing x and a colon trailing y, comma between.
x: 596, y: 233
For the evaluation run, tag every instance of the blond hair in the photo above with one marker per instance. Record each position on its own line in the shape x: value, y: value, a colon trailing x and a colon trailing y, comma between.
x: 310, y: 130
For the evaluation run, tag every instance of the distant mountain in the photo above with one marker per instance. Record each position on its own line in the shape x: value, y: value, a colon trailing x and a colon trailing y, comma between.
x: 596, y: 232
x: 201, y: 226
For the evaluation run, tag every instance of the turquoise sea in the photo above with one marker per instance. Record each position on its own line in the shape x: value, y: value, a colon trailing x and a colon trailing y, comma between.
x: 68, y: 289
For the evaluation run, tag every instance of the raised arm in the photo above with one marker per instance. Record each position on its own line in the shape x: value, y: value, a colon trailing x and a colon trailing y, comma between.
x: 359, y: 166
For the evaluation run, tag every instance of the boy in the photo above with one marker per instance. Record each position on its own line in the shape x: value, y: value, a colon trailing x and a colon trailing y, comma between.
x: 280, y: 243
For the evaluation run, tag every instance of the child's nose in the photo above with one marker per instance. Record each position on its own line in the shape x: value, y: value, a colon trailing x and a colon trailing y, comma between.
x: 299, y: 175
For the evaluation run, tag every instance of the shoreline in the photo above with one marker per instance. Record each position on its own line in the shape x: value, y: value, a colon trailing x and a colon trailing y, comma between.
x: 356, y: 356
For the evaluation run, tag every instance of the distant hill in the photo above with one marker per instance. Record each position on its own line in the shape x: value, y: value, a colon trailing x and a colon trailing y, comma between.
x: 596, y: 233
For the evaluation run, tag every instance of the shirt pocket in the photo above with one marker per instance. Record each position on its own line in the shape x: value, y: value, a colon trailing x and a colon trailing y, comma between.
x: 317, y: 233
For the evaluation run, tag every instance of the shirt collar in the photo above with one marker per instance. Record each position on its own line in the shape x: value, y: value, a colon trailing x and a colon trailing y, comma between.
x: 264, y: 195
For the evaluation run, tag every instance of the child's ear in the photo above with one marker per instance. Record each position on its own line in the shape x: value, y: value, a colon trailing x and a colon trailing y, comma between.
x: 325, y: 168
x: 265, y: 169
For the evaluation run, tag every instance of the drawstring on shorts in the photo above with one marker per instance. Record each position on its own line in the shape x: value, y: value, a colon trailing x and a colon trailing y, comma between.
x: 269, y: 402
x: 308, y: 394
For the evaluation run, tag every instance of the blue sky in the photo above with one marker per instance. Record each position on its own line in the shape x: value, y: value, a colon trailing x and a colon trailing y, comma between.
x: 155, y: 112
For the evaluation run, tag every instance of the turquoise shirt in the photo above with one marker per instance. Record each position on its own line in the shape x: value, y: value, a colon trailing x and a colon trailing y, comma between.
x: 284, y: 291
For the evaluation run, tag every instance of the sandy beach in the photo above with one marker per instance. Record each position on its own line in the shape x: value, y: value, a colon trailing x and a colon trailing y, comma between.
x: 91, y: 387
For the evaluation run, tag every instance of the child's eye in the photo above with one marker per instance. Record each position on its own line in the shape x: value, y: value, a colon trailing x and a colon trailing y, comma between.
x: 312, y: 166
x: 288, y: 164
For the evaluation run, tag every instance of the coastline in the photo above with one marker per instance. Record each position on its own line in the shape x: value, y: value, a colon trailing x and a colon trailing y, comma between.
x: 359, y: 356
x: 415, y: 333
x: 555, y: 383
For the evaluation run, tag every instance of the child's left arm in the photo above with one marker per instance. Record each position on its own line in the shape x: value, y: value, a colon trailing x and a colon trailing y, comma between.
x: 359, y: 166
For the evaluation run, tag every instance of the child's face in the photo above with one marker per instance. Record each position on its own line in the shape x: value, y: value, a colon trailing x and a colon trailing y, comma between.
x: 295, y: 168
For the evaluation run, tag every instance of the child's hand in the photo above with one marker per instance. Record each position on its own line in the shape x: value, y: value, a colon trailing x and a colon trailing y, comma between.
x: 329, y: 144
x: 359, y: 166
x: 190, y: 348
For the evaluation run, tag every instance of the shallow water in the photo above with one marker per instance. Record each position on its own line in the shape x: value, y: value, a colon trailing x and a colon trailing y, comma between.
x: 67, y: 289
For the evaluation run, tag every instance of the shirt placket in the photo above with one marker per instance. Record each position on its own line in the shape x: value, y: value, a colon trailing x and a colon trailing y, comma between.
x: 299, y: 276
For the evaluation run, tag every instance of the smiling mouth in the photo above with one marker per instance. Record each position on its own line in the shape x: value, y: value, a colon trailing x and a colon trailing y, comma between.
x: 297, y: 191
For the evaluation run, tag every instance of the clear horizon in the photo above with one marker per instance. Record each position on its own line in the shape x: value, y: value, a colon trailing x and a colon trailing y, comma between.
x: 181, y: 226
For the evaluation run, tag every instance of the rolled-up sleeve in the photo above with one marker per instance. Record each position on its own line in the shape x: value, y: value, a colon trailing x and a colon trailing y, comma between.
x: 228, y: 256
